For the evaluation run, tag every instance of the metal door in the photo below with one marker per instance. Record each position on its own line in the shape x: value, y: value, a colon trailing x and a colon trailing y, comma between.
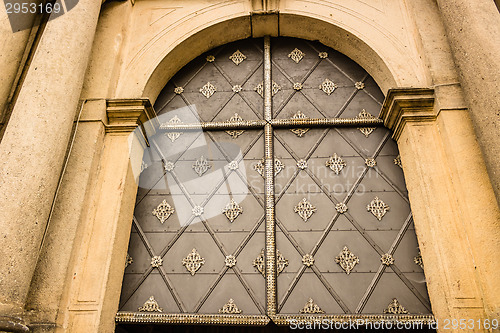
x: 272, y: 192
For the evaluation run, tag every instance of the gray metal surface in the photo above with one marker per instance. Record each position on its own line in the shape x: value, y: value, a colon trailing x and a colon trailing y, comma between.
x: 370, y: 285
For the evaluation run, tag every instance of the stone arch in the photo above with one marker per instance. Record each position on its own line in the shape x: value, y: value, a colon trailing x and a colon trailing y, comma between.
x: 386, y: 57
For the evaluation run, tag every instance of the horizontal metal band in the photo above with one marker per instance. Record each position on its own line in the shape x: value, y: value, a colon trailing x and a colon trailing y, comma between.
x: 321, y: 122
x: 215, y: 319
x: 285, y: 320
x: 218, y: 125
x: 278, y: 123
x: 261, y: 320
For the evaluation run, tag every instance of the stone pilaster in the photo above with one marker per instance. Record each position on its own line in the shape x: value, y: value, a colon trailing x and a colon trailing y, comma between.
x: 455, y: 211
x: 473, y: 30
x: 34, y: 145
x: 94, y: 281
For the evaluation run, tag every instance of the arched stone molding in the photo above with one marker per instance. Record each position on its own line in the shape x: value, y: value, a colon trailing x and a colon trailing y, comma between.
x: 377, y: 35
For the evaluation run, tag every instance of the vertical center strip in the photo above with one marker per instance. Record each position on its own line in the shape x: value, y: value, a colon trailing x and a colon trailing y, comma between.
x: 269, y: 188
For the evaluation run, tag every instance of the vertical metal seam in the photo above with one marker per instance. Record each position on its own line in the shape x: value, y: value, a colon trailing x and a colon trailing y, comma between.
x: 269, y: 188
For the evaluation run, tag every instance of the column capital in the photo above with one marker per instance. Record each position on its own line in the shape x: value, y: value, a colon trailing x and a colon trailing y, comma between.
x: 124, y: 115
x: 402, y: 105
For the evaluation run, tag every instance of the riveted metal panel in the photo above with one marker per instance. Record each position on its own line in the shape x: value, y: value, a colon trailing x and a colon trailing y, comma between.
x: 270, y: 192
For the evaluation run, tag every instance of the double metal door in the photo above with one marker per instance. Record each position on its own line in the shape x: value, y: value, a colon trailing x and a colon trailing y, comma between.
x: 272, y: 192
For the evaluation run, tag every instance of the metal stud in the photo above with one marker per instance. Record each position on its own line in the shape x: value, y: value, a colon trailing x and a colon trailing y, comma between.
x: 359, y: 85
x: 230, y: 260
x: 302, y: 164
x: 128, y: 260
x: 397, y: 161
x: 341, y: 207
x: 308, y: 260
x: 387, y: 259
x: 156, y: 261
x: 418, y: 260
x: 197, y: 210
x: 370, y: 162
x: 323, y: 55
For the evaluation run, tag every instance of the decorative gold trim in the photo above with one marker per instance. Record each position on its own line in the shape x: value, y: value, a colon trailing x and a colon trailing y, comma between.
x: 395, y: 308
x: 299, y: 131
x: 296, y: 55
x: 323, y: 55
x: 174, y: 135
x: 201, y: 166
x: 163, y: 211
x: 310, y: 307
x: 347, y: 260
x: 305, y: 209
x: 359, y: 85
x: 397, y: 161
x: 210, y: 319
x: 235, y: 133
x: 378, y: 208
x: 308, y: 260
x: 285, y: 320
x: 156, y: 261
x: 232, y: 210
x: 128, y: 260
x: 341, y: 207
x: 328, y: 87
x: 387, y: 259
x: 277, y: 123
x: 418, y: 260
x: 193, y: 262
x: 151, y: 305
x: 365, y: 130
x: 370, y: 162
x: 230, y: 307
x: 230, y: 260
x: 237, y: 57
x: 335, y: 163
x: 208, y: 90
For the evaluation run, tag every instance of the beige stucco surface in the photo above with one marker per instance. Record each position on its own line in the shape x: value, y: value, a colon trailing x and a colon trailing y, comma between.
x: 138, y: 47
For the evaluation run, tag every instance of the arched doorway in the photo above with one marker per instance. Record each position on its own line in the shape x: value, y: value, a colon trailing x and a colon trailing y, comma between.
x: 272, y: 191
